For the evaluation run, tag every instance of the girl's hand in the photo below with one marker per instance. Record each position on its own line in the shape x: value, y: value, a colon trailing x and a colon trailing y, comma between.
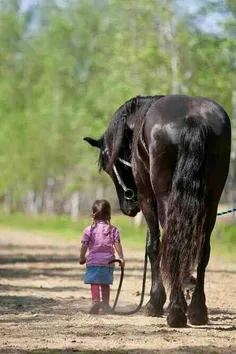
x: 82, y: 260
x: 122, y: 264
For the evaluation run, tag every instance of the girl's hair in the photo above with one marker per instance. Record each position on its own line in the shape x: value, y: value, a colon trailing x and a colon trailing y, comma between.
x: 101, y: 210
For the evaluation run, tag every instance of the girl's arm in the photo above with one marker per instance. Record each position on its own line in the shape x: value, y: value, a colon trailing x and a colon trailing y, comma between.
x: 119, y: 250
x: 83, y: 250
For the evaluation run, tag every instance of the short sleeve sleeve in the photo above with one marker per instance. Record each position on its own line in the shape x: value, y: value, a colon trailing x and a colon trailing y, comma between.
x: 116, y: 235
x: 86, y: 236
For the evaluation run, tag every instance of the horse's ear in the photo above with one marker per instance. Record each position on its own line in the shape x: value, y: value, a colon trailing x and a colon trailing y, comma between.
x: 134, y: 104
x: 93, y: 142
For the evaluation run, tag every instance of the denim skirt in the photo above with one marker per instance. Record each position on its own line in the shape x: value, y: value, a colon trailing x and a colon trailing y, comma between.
x: 98, y: 275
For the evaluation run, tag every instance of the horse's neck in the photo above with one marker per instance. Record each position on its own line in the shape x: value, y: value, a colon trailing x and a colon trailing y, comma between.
x: 144, y: 103
x: 142, y: 106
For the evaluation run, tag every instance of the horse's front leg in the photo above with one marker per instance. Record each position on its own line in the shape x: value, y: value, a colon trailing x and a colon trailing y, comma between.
x: 157, y: 294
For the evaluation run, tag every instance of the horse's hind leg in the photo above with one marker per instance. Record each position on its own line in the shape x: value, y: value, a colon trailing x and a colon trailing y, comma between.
x: 177, y: 307
x: 157, y: 294
x: 197, y: 310
x: 182, y: 300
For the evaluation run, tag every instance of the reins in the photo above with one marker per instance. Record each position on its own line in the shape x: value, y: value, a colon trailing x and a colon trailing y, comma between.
x: 131, y: 312
x: 226, y: 212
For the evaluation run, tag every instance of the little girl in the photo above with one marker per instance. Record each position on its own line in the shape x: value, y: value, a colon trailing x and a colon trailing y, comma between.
x: 101, y: 238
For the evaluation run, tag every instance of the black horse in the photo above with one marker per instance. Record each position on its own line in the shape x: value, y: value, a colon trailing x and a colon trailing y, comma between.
x: 169, y: 156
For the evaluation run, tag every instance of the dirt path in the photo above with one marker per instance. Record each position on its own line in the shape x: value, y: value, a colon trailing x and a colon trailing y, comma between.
x: 44, y: 304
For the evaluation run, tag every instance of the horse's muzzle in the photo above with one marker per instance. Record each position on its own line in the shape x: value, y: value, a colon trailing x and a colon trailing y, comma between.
x: 130, y: 208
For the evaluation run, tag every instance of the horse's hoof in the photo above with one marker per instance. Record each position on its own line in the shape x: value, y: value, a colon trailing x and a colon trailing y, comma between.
x: 198, y: 317
x: 176, y: 318
x: 151, y: 311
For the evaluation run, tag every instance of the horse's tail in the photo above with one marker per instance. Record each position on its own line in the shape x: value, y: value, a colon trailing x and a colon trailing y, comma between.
x: 184, y: 230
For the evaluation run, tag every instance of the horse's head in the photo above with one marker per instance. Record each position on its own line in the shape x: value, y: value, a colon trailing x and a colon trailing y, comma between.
x: 116, y: 150
x: 120, y: 171
x: 115, y: 157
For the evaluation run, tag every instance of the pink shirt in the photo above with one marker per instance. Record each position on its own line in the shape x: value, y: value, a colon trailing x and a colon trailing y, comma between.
x: 100, y: 241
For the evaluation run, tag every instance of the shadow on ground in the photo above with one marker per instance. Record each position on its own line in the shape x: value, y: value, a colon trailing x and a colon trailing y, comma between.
x: 180, y: 350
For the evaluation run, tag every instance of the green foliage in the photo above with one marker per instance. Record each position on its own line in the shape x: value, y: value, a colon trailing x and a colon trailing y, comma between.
x: 67, y: 66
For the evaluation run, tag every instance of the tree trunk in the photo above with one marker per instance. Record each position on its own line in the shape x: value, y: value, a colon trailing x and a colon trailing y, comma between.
x: 74, y: 210
x: 33, y: 203
x: 49, y: 197
x: 138, y: 219
x: 100, y: 192
x: 7, y: 202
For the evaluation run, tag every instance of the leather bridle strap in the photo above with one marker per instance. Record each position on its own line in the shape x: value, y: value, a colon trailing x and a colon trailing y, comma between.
x: 128, y: 193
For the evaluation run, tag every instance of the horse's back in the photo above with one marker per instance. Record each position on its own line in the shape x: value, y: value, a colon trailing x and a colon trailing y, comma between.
x: 176, y: 108
x: 167, y: 117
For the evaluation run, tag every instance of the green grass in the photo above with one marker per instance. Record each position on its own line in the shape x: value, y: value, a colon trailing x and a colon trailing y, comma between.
x: 64, y: 227
x: 223, y: 239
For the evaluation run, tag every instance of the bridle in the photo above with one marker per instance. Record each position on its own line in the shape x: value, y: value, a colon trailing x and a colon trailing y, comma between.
x: 128, y: 193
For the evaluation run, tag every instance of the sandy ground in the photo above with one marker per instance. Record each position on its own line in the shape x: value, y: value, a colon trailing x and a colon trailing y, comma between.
x: 44, y: 305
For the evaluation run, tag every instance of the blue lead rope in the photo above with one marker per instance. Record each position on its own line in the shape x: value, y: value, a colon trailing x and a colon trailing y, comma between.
x: 226, y: 212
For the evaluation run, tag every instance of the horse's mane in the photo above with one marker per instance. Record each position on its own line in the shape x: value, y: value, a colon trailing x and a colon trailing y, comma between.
x: 114, y: 135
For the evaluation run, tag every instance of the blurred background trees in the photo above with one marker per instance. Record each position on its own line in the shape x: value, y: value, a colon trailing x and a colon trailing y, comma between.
x: 66, y: 66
